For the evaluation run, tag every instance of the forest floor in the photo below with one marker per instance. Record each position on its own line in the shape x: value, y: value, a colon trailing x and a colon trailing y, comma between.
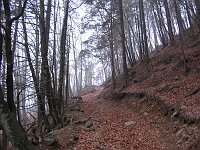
x: 131, y: 122
x: 158, y: 110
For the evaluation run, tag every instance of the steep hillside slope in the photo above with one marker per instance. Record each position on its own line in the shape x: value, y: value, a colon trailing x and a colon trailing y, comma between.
x: 166, y: 79
x: 164, y: 82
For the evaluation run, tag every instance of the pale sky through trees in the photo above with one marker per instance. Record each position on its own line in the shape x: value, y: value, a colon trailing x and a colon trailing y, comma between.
x: 80, y: 10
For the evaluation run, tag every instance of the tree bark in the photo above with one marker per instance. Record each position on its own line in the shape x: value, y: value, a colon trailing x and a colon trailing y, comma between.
x: 111, y: 47
x: 179, y: 17
x: 62, y: 59
x: 55, y: 51
x: 160, y: 24
x: 67, y: 87
x: 9, y: 57
x: 144, y: 32
x: 197, y: 4
x: 169, y: 24
x: 1, y: 41
x: 41, y: 104
x: 46, y: 84
x: 188, y: 13
x: 11, y: 126
x: 75, y: 65
x: 4, y: 141
x: 125, y: 69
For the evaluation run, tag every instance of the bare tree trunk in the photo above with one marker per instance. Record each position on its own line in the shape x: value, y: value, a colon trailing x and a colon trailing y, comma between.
x: 67, y: 76
x: 46, y: 84
x: 130, y: 50
x: 118, y: 67
x: 41, y: 104
x: 125, y: 69
x: 169, y: 24
x: 179, y: 17
x: 144, y: 32
x: 18, y: 90
x: 62, y: 58
x: 1, y: 41
x: 139, y: 27
x: 188, y: 13
x: 197, y: 3
x: 111, y: 47
x: 181, y: 31
x: 37, y: 47
x: 4, y: 141
x: 154, y: 32
x: 160, y: 24
x: 197, y: 17
x: 9, y: 57
x: 54, y: 49
x: 81, y: 72
x: 75, y: 64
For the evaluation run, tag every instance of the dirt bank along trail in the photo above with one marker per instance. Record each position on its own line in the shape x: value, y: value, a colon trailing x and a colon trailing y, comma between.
x: 129, y: 124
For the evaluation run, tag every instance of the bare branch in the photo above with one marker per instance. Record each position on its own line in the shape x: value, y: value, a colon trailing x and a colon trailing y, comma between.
x: 21, y: 13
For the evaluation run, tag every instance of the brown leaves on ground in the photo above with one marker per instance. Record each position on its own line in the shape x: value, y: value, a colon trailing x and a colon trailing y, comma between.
x: 131, y: 124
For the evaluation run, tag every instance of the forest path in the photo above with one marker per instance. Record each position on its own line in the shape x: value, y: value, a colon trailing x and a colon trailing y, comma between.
x: 128, y: 124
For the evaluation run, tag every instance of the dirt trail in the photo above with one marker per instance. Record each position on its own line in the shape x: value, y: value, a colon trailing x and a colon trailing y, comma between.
x: 131, y: 124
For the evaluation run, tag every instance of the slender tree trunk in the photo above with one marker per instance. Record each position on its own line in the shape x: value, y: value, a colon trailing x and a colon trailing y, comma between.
x: 1, y: 40
x: 18, y: 92
x: 37, y: 48
x: 67, y: 76
x: 140, y: 39
x: 62, y: 58
x: 169, y: 24
x: 23, y: 95
x: 144, y: 32
x: 48, y: 18
x: 4, y: 141
x: 46, y: 84
x: 75, y: 64
x: 181, y: 31
x: 41, y: 104
x: 125, y: 69
x: 197, y: 4
x: 54, y: 49
x: 179, y: 17
x: 160, y: 24
x: 154, y: 33
x: 118, y: 67
x: 131, y: 50
x: 81, y: 73
x: 197, y: 17
x: 188, y: 13
x: 111, y: 47
x: 9, y: 57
